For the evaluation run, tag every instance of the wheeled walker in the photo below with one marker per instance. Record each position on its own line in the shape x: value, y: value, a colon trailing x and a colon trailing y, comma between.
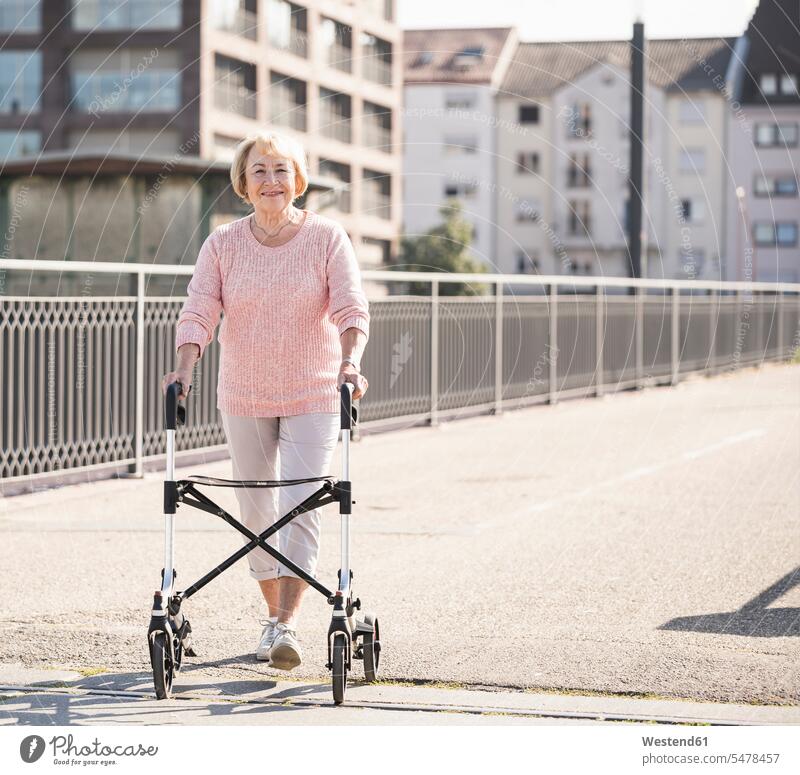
x: 169, y: 636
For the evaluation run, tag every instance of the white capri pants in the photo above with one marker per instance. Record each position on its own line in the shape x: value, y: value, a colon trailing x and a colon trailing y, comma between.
x: 292, y: 447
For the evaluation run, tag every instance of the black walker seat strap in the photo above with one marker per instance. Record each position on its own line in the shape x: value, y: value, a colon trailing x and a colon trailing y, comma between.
x: 321, y: 497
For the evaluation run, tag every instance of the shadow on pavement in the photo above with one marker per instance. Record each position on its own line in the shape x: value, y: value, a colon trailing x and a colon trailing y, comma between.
x: 754, y: 619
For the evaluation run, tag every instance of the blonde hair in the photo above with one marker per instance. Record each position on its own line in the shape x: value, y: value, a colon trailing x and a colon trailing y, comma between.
x: 272, y: 144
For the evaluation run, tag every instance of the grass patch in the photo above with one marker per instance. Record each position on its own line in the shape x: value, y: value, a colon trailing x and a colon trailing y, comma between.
x: 88, y: 672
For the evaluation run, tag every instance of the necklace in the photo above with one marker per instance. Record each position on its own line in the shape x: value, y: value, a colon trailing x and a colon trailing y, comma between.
x: 271, y: 235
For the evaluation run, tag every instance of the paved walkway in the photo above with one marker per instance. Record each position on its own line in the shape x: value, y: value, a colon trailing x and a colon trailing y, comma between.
x: 643, y: 544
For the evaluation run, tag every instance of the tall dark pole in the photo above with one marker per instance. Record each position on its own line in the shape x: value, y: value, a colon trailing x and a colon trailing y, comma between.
x: 635, y: 183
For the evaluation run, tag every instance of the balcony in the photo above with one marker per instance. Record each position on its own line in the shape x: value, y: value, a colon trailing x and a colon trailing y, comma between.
x: 378, y: 137
x: 376, y: 195
x: 235, y: 98
x: 296, y: 43
x: 335, y: 126
x: 287, y: 27
x: 377, y: 70
x: 238, y: 22
x: 286, y: 112
x: 340, y: 57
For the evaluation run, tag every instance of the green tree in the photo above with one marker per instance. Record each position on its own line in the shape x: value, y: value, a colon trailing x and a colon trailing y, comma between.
x: 443, y: 250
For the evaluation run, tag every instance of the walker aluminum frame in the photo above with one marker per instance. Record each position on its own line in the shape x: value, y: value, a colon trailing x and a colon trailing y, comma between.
x: 169, y: 634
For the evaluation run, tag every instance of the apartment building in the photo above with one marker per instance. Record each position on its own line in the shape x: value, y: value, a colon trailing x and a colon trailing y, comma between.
x: 192, y: 77
x: 563, y: 158
x: 762, y: 195
x: 451, y: 79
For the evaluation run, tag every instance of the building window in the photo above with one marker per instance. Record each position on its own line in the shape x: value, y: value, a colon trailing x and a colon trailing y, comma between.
x: 468, y: 57
x: 287, y: 101
x: 335, y: 113
x: 133, y: 83
x: 287, y: 27
x: 789, y: 84
x: 776, y: 135
x: 769, y: 84
x: 527, y: 211
x: 459, y: 101
x: 528, y: 162
x: 234, y: 86
x: 691, y: 263
x: 465, y: 189
x: 579, y: 120
x: 579, y: 218
x: 377, y: 127
x: 458, y: 145
x: 693, y: 210
x: 376, y: 252
x: 780, y: 234
x: 337, y: 44
x: 20, y: 81
x: 377, y: 59
x: 528, y: 114
x: 376, y: 190
x: 693, y: 160
x: 775, y: 186
x: 21, y: 16
x: 578, y: 171
x: 339, y: 198
x: 15, y: 143
x: 423, y: 59
x: 236, y: 16
x: 692, y: 111
x: 527, y: 262
x: 92, y: 15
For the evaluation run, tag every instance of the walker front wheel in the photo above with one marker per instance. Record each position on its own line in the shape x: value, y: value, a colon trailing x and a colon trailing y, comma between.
x: 339, y: 668
x: 161, y: 660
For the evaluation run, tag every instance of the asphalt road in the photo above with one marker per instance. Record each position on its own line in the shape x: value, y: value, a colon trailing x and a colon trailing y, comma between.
x: 644, y: 543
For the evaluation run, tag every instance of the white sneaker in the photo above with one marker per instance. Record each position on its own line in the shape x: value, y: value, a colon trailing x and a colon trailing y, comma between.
x: 285, y: 652
x: 267, y: 638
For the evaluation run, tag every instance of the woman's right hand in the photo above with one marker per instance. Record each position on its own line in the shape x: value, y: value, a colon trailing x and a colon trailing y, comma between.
x: 184, y: 376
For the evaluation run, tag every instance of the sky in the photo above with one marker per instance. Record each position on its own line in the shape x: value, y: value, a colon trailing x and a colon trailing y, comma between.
x: 599, y: 19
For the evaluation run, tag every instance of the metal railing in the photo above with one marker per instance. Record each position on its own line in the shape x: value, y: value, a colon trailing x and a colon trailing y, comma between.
x: 285, y: 111
x: 233, y: 98
x: 81, y: 375
x: 240, y: 22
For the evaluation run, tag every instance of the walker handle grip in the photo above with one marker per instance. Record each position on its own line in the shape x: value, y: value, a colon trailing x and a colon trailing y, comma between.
x: 349, y: 413
x: 174, y: 413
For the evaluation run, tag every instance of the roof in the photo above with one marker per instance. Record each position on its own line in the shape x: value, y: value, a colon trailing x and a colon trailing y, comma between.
x: 70, y: 162
x: 466, y: 55
x: 539, y: 69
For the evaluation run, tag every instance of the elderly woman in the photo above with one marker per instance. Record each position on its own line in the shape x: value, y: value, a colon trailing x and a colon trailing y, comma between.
x: 296, y: 324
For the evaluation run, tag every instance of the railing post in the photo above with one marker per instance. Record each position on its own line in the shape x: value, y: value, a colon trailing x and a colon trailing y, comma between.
x: 434, y: 352
x: 498, y: 349
x: 599, y: 318
x: 552, y: 345
x: 712, y: 331
x: 638, y: 312
x: 675, y: 329
x: 138, y: 439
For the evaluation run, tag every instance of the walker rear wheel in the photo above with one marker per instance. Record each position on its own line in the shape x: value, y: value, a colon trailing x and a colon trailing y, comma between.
x: 339, y: 668
x: 371, y: 649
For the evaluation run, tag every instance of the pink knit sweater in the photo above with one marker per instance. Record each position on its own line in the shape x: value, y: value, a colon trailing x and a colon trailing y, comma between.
x: 284, y: 310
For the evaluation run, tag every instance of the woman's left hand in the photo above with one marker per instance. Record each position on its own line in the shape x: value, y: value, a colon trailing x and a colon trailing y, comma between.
x: 349, y: 373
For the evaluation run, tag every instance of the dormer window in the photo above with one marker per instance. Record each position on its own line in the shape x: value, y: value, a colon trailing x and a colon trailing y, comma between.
x: 468, y: 57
